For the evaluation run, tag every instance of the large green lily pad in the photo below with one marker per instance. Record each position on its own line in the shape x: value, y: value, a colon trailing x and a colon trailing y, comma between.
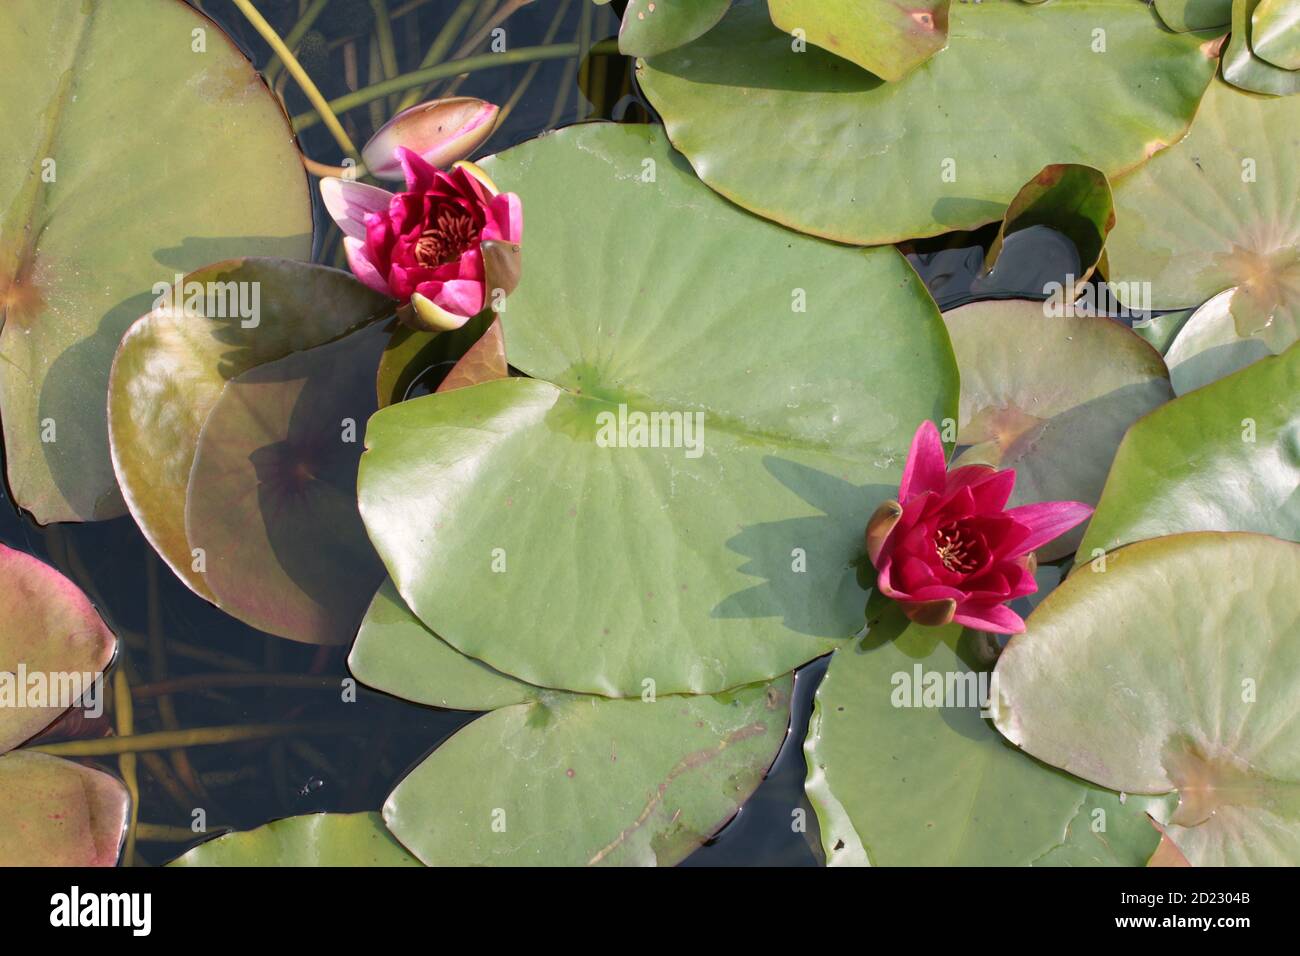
x: 1275, y: 33
x: 58, y: 813
x: 584, y: 781
x: 1050, y: 396
x: 651, y: 27
x: 314, y: 839
x: 397, y: 654
x: 807, y: 139
x: 1208, y: 347
x: 897, y: 781
x: 527, y: 532
x: 275, y: 396
x: 889, y: 39
x: 1175, y: 670
x: 1225, y: 457
x: 1219, y: 210
x: 1184, y: 16
x: 137, y: 157
x: 1243, y: 68
x: 47, y: 628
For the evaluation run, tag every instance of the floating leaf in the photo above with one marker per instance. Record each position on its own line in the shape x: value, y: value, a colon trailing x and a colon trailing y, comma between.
x: 1208, y: 347
x: 1073, y: 201
x: 272, y: 503
x: 651, y: 27
x: 1050, y: 396
x: 397, y: 654
x: 899, y: 782
x: 1275, y: 33
x: 140, y: 157
x: 314, y: 839
x: 810, y: 141
x: 174, y: 363
x: 588, y: 781
x: 889, y: 39
x: 1160, y: 329
x: 47, y: 628
x: 58, y: 813
x: 720, y: 562
x: 1176, y: 670
x: 1219, y: 210
x: 1222, y: 458
x: 1243, y: 68
x: 1184, y: 16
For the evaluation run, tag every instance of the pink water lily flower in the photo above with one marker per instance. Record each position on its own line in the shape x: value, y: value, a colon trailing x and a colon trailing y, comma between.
x: 949, y: 549
x: 446, y: 248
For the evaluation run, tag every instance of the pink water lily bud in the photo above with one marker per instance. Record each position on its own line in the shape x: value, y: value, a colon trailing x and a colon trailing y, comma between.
x: 446, y: 248
x: 440, y: 131
x: 950, y: 550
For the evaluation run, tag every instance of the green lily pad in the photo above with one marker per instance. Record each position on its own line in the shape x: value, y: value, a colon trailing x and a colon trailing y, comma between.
x: 272, y: 496
x: 59, y: 813
x: 651, y: 27
x: 1219, y: 210
x: 1186, y: 683
x: 1243, y: 68
x: 574, y: 781
x: 1225, y: 457
x: 1070, y: 199
x: 887, y: 38
x: 720, y: 562
x: 173, y: 365
x: 139, y: 157
x: 314, y: 839
x: 1050, y: 396
x: 810, y: 141
x: 471, y: 354
x: 397, y: 654
x: 1160, y: 329
x: 899, y: 782
x: 1184, y: 16
x: 50, y: 630
x: 1275, y: 33
x: 1208, y: 347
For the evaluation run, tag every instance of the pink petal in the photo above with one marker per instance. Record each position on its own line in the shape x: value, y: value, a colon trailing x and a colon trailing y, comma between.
x: 996, y: 618
x: 926, y: 467
x: 348, y: 202
x: 505, y: 219
x: 420, y: 176
x: 362, y: 267
x: 457, y: 296
x: 990, y: 490
x: 1047, y: 520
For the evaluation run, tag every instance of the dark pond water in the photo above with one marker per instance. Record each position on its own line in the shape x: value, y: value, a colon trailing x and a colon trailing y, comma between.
x: 186, y: 660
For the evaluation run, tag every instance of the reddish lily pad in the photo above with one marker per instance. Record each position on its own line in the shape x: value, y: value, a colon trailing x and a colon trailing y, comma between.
x: 59, y: 813
x: 272, y: 496
x: 174, y: 364
x: 143, y: 144
x: 47, y: 628
x: 1050, y: 396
